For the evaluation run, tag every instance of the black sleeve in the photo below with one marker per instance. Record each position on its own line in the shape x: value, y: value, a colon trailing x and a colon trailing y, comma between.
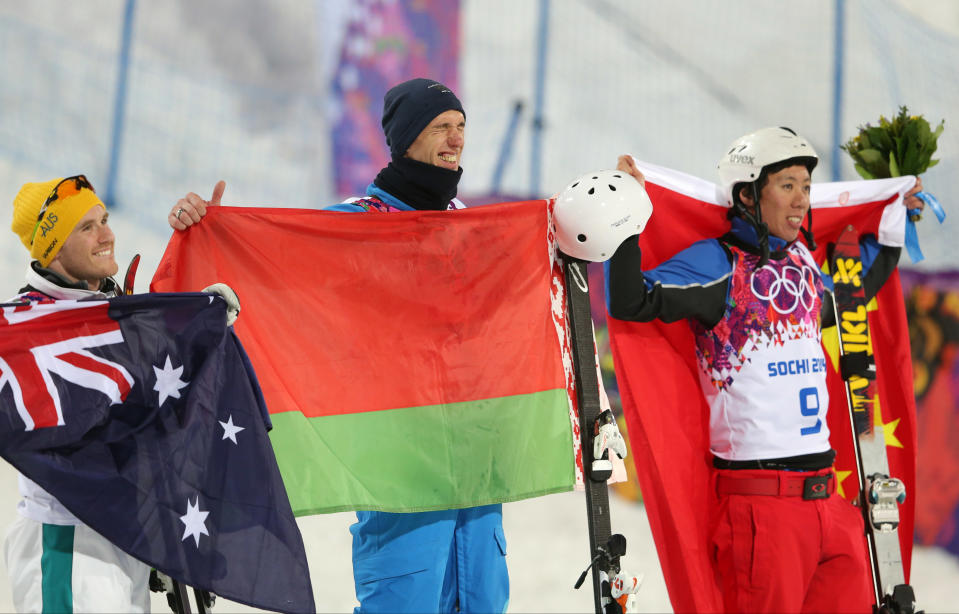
x: 882, y: 267
x: 629, y: 298
x: 827, y: 315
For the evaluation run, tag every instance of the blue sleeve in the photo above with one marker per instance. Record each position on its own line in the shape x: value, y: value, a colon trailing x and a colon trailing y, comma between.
x: 347, y: 207
x: 868, y: 250
x: 693, y: 284
x: 701, y: 264
x: 878, y: 263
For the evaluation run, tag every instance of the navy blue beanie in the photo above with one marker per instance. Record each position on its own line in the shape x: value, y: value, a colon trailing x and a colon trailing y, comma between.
x: 411, y: 106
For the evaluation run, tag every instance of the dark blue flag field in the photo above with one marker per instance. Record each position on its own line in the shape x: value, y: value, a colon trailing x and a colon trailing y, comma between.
x: 142, y: 415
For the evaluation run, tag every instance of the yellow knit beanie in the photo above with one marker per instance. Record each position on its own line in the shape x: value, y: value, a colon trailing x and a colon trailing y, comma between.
x: 46, y: 236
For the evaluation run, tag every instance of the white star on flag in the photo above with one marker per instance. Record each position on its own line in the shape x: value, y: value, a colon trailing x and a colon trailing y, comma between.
x: 229, y: 429
x: 168, y: 381
x: 194, y: 521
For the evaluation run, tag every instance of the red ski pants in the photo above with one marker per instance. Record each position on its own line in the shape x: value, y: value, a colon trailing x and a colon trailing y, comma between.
x: 783, y: 553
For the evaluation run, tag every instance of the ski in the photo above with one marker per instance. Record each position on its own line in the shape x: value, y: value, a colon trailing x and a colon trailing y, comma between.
x: 177, y: 596
x: 605, y: 549
x: 131, y: 274
x: 879, y: 493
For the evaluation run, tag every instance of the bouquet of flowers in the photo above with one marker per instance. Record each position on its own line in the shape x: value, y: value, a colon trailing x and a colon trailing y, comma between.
x: 903, y: 146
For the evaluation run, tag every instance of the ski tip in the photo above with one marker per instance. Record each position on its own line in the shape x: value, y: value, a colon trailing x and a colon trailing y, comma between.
x: 130, y: 276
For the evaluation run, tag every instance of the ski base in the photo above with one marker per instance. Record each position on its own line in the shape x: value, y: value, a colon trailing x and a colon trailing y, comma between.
x: 879, y: 494
x: 605, y: 548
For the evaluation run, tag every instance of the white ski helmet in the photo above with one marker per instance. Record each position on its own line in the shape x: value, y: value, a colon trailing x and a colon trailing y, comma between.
x: 598, y: 211
x: 746, y: 157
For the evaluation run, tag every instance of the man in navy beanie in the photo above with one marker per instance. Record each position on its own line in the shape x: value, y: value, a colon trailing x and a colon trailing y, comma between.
x: 446, y: 560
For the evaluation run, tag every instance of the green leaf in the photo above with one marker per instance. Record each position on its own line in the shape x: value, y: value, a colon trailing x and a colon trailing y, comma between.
x: 863, y: 172
x: 910, y: 163
x: 932, y: 163
x: 893, y: 167
x: 924, y: 133
x: 900, y: 147
x: 875, y: 162
x: 871, y: 156
x: 880, y: 139
x: 911, y: 131
x: 939, y: 128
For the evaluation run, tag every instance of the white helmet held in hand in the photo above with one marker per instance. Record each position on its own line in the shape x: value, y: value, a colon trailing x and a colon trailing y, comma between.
x: 598, y: 211
x: 746, y: 157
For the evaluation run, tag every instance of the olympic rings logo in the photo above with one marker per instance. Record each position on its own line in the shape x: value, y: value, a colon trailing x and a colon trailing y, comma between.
x: 786, y: 289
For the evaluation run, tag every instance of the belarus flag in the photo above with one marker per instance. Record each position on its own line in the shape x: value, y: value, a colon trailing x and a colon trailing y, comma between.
x: 666, y: 415
x: 410, y: 361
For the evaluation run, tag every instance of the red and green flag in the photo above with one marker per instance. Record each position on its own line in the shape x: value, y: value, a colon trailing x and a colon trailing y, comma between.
x: 410, y: 361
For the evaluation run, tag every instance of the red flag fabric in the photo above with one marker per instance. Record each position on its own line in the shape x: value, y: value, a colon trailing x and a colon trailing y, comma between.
x: 410, y: 361
x: 666, y: 414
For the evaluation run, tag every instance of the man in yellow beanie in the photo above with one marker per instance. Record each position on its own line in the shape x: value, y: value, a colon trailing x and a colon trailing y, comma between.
x: 55, y: 562
x: 64, y: 226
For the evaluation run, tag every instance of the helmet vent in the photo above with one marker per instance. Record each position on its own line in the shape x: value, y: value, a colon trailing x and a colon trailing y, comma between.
x: 596, y: 212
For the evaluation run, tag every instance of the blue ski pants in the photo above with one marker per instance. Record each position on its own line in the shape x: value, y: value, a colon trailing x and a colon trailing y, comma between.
x: 442, y: 561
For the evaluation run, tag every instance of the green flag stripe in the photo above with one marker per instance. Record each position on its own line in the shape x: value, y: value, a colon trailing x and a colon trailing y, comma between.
x: 56, y: 568
x: 427, y: 458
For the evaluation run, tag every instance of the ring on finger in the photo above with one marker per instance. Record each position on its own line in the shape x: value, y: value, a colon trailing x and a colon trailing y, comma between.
x: 178, y: 212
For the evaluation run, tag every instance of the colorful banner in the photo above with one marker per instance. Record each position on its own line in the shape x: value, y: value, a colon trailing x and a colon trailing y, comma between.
x: 385, y: 43
x: 410, y: 361
x: 932, y: 306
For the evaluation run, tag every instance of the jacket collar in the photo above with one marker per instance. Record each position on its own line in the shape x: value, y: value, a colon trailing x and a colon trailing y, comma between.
x: 378, y: 192
x: 745, y: 232
x: 55, y: 286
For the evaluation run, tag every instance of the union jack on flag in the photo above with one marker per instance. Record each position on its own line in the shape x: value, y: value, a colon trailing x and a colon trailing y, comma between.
x: 61, y: 334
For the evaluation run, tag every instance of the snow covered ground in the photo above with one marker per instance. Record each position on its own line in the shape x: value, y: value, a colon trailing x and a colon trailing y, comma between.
x: 547, y: 549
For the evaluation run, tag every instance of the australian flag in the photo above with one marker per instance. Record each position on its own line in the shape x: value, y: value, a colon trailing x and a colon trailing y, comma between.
x: 142, y: 415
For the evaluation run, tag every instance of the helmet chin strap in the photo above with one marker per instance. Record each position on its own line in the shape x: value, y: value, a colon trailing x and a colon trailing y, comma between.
x: 807, y: 231
x: 755, y: 217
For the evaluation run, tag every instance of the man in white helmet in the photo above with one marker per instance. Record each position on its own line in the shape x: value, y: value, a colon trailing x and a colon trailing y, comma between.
x: 777, y: 544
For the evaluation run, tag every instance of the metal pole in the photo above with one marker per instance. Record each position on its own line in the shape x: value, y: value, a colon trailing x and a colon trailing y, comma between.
x: 536, y: 156
x: 119, y: 104
x: 506, y: 148
x: 839, y: 53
